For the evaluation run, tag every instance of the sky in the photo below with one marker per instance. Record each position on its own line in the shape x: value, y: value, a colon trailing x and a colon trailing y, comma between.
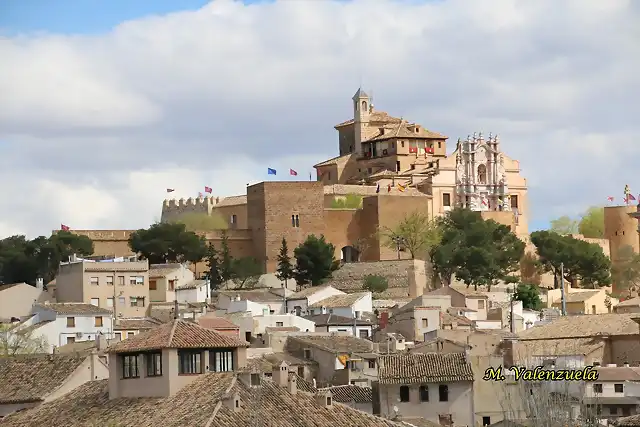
x: 107, y: 103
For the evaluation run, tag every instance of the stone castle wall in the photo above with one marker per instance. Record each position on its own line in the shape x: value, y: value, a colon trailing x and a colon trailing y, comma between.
x: 172, y: 208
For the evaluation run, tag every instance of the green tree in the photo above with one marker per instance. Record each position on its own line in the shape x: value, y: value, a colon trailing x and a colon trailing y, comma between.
x: 168, y: 242
x: 626, y: 272
x: 581, y: 261
x: 285, y: 267
x: 481, y: 253
x: 196, y: 221
x: 315, y: 261
x: 529, y: 294
x: 415, y: 232
x: 245, y: 272
x: 15, y: 341
x: 592, y: 223
x: 531, y: 269
x: 375, y: 283
x: 350, y: 201
x: 213, y: 263
x: 564, y: 225
x: 226, y: 260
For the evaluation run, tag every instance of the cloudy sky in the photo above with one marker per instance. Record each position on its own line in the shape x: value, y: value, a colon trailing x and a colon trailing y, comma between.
x: 105, y: 104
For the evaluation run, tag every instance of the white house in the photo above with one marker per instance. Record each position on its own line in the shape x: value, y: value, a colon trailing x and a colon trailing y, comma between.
x: 194, y: 291
x: 256, y: 325
x: 347, y: 305
x: 66, y: 323
x: 16, y: 299
x: 335, y: 323
x: 300, y: 301
x: 253, y: 300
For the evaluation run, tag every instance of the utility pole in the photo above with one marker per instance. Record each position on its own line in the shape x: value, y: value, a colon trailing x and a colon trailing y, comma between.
x: 512, y: 325
x: 562, y: 293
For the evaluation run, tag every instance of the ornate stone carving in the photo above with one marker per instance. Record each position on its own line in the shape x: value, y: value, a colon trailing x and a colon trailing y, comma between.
x: 506, y: 203
x: 502, y: 174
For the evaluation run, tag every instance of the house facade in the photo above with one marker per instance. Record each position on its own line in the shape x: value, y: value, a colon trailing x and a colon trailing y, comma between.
x: 333, y: 323
x: 300, y: 301
x: 196, y: 291
x: 165, y: 279
x: 17, y: 299
x: 346, y: 305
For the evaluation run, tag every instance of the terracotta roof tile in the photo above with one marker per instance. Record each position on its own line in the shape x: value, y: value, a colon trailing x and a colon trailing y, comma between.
x: 526, y: 349
x: 335, y: 320
x: 9, y: 286
x: 583, y: 326
x: 374, y: 117
x: 32, y: 378
x: 257, y: 295
x: 214, y: 322
x: 177, y: 334
x: 196, y: 404
x: 619, y: 373
x: 75, y: 308
x: 345, y: 300
x: 136, y: 324
x: 406, y: 130
x: 449, y: 319
x: 194, y: 284
x: 416, y: 368
x: 232, y: 201
x: 281, y: 329
x: 335, y: 160
x: 157, y: 271
x: 633, y: 302
x: 304, y: 293
x: 351, y: 393
x: 632, y: 421
x: 579, y: 296
x: 335, y: 343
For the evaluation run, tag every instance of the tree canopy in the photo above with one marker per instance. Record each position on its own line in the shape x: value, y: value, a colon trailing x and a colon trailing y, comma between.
x: 582, y: 261
x: 315, y: 261
x: 242, y: 272
x: 529, y: 294
x: 479, y: 252
x: 415, y: 232
x: 23, y: 260
x: 531, y: 269
x: 375, y: 283
x: 564, y: 225
x: 350, y: 201
x: 285, y: 269
x: 626, y: 272
x: 590, y: 224
x: 168, y: 242
x: 20, y: 341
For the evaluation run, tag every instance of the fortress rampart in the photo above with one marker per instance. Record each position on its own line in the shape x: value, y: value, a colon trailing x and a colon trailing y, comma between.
x: 173, y: 208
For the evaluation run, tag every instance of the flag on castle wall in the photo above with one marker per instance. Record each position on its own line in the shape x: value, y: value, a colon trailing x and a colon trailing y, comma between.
x: 611, y: 198
x: 64, y: 227
x: 401, y: 187
x: 170, y: 190
x: 630, y: 196
x: 292, y: 172
x: 271, y: 171
x: 200, y: 195
x: 208, y: 190
x: 389, y: 188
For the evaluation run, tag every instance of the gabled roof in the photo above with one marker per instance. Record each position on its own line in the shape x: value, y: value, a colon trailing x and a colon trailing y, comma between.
x: 177, y: 334
x: 583, y: 326
x: 10, y: 285
x: 31, y: 378
x: 75, y: 308
x: 256, y: 294
x: 335, y: 343
x: 194, y: 284
x: 215, y: 322
x: 306, y: 292
x: 140, y: 323
x: 334, y: 320
x: 412, y: 368
x: 351, y: 393
x: 633, y: 302
x: 196, y: 404
x: 337, y: 301
x: 158, y: 271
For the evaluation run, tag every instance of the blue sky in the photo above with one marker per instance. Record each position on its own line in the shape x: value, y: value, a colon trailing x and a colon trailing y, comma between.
x: 184, y: 80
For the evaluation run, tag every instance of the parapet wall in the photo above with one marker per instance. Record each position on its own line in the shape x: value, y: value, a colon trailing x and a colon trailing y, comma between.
x: 173, y: 208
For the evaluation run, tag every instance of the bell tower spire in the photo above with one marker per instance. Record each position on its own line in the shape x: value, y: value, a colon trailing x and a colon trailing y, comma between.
x: 361, y: 111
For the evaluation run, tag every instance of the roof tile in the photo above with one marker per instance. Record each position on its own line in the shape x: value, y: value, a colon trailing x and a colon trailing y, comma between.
x: 416, y: 368
x: 75, y: 308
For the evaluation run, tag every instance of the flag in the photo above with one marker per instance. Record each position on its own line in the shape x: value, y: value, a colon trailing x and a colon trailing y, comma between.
x: 400, y: 187
x: 484, y: 203
x: 389, y: 188
x: 378, y: 188
x: 631, y: 196
x: 170, y: 190
x: 64, y: 227
x: 200, y: 195
x: 271, y: 171
x: 611, y: 198
x: 208, y: 190
x: 292, y: 172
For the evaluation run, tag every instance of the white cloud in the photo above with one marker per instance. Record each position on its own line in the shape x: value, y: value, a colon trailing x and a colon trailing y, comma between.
x: 94, y: 129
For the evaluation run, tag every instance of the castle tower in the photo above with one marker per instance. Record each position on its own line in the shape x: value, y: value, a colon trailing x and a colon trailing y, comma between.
x: 361, y: 109
x: 621, y: 229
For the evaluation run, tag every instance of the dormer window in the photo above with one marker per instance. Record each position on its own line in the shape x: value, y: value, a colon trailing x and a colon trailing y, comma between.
x: 130, y: 367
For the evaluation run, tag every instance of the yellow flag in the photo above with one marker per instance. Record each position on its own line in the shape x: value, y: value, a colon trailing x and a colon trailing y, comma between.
x: 627, y: 190
x: 400, y: 187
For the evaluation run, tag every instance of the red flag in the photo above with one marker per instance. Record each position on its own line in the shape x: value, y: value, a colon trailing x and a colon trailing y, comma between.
x: 170, y: 190
x: 208, y: 190
x: 64, y: 227
x: 484, y: 203
x: 631, y: 197
x: 199, y: 194
x: 611, y: 198
x: 292, y: 172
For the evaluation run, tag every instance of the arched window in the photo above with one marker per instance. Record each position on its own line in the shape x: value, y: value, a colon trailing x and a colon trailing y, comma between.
x: 404, y: 393
x: 482, y: 174
x: 364, y: 105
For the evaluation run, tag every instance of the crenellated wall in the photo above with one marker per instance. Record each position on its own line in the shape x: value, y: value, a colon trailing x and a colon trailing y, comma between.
x: 172, y: 208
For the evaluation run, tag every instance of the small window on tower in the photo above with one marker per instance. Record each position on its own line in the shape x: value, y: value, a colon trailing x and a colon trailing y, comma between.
x: 439, y: 144
x: 446, y: 199
x: 398, y: 164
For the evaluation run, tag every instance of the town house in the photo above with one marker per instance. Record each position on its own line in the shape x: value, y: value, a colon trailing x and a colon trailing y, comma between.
x: 586, y: 302
x: 465, y: 297
x: 300, y: 301
x: 436, y: 387
x: 347, y: 305
x: 196, y: 291
x: 256, y: 301
x: 161, y: 361
x: 615, y: 393
x: 165, y: 279
x: 17, y: 299
x: 361, y: 328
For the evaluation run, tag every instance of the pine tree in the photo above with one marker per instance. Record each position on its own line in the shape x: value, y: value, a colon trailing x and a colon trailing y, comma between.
x: 285, y: 268
x: 226, y: 261
x: 213, y: 262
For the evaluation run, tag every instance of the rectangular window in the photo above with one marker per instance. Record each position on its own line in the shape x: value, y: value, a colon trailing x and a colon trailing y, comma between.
x: 446, y: 199
x: 404, y: 393
x: 221, y: 360
x: 172, y: 285
x: 109, y: 280
x: 363, y: 333
x: 597, y: 388
x: 121, y: 280
x: 130, y: 366
x: 132, y: 280
x: 110, y: 301
x: 439, y: 144
x: 279, y: 324
x: 117, y: 336
x: 481, y: 304
x: 154, y: 364
x: 486, y: 421
x: 130, y: 334
x: 71, y: 340
x: 121, y: 301
x: 98, y: 321
x: 139, y: 280
x: 618, y: 388
x: 425, y: 323
x: 190, y: 362
x: 398, y: 163
x: 71, y: 322
x: 514, y: 201
x: 153, y: 285
x: 137, y: 301
x: 297, y: 221
x: 95, y: 301
x: 443, y: 391
x: 372, y: 363
x: 94, y: 281
x: 424, y: 393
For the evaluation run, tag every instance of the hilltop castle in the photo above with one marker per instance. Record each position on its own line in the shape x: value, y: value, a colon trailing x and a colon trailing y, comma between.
x: 396, y: 167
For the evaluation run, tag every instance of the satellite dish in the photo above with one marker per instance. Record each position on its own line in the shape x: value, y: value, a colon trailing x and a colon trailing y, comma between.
x: 395, y: 409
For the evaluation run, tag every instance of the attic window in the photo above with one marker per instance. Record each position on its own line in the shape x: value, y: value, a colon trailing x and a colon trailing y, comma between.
x: 328, y: 401
x: 307, y: 353
x: 417, y: 129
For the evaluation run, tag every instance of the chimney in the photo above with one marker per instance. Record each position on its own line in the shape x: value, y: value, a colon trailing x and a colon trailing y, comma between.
x: 281, y: 374
x: 292, y: 385
x: 314, y: 383
x: 40, y: 283
x: 101, y: 342
x: 324, y: 398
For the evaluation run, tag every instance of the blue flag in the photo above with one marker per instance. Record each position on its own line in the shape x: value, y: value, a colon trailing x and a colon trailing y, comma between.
x: 271, y: 171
